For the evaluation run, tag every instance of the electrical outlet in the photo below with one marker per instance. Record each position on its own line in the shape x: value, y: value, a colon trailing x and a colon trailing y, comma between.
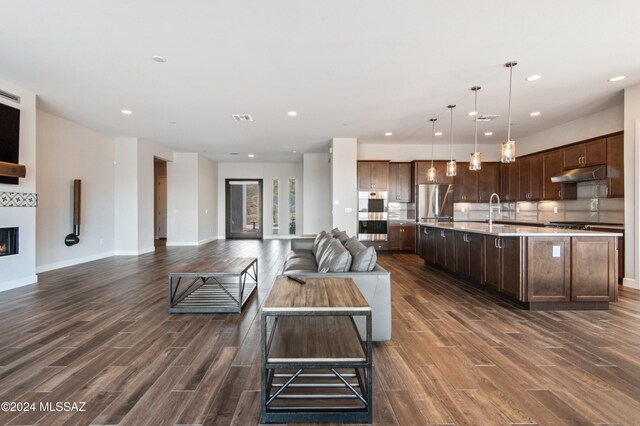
x: 555, y: 210
x: 556, y: 251
x: 348, y: 210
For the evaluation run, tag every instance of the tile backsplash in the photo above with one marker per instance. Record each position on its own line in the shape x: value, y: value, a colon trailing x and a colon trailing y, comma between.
x: 591, y: 206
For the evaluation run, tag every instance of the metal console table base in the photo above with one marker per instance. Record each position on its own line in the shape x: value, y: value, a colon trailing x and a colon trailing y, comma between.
x: 212, y: 292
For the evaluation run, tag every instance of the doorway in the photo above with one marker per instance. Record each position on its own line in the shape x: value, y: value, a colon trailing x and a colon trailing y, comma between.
x: 160, y: 200
x: 243, y: 206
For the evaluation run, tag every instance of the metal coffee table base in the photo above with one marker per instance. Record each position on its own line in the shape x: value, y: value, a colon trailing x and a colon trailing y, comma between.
x: 212, y: 292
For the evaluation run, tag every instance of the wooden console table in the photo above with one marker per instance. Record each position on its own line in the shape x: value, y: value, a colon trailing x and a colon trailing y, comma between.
x: 220, y: 286
x: 315, y: 365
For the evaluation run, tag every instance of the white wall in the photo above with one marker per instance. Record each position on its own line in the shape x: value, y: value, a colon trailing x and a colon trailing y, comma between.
x: 182, y: 199
x: 68, y: 151
x: 344, y: 184
x: 207, y: 200
x: 134, y: 189
x: 126, y: 196
x: 399, y: 152
x: 601, y: 123
x: 632, y: 186
x: 317, y: 192
x: 267, y: 172
x: 20, y: 269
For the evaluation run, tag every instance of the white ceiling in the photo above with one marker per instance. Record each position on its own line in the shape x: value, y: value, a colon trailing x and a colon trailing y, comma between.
x: 349, y: 68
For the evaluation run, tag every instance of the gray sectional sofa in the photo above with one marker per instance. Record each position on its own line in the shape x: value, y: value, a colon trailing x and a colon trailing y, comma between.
x: 335, y: 255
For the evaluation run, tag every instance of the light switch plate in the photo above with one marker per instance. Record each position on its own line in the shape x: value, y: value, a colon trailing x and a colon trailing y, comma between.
x: 348, y: 209
x: 556, y: 251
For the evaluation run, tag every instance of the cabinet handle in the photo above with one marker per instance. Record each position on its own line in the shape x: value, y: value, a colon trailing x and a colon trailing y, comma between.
x: 495, y: 242
x: 442, y: 234
x: 560, y: 193
x: 500, y: 243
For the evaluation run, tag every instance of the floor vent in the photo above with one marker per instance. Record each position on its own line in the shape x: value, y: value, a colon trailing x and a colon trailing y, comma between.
x: 9, y: 96
x: 242, y: 117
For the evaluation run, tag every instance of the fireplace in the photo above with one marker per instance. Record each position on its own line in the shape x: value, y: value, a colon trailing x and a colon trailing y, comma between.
x: 8, y: 241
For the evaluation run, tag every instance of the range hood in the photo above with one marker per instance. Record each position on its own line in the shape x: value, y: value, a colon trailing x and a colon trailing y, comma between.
x: 12, y: 170
x: 581, y: 175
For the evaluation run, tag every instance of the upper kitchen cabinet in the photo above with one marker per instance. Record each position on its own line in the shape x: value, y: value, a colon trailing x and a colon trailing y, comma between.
x: 615, y: 166
x: 552, y: 166
x: 585, y: 154
x: 421, y: 168
x: 373, y: 175
x: 509, y: 181
x: 488, y: 181
x: 465, y: 184
x: 400, y: 188
x: 530, y: 178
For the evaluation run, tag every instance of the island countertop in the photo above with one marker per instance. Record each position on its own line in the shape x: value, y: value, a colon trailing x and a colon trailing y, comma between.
x: 502, y: 230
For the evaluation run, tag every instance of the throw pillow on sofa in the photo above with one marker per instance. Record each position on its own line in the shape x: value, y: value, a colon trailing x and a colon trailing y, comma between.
x: 322, y: 246
x: 336, y: 258
x: 364, y: 258
x: 319, y: 237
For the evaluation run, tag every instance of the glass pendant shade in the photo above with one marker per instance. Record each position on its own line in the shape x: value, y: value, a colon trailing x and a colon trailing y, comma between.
x: 431, y: 174
x: 451, y: 168
x: 475, y: 162
x: 508, y: 154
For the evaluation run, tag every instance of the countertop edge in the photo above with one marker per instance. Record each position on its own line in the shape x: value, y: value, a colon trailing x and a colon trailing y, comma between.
x: 548, y: 232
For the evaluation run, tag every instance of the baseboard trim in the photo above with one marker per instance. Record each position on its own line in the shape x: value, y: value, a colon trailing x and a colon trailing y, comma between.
x: 20, y: 282
x: 72, y: 262
x: 181, y: 243
x: 134, y: 252
x: 207, y: 240
x: 630, y: 282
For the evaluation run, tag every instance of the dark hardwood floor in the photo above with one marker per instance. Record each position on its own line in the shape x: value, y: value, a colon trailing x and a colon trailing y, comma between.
x: 100, y: 333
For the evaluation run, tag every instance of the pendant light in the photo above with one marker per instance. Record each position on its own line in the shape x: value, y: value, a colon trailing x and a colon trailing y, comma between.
x: 508, y: 154
x: 451, y: 164
x: 431, y: 173
x: 475, y: 163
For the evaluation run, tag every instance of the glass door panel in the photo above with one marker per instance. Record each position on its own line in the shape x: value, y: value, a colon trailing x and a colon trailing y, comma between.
x: 244, y: 208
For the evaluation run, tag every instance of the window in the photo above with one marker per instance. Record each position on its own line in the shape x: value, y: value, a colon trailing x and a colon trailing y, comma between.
x: 292, y: 206
x: 276, y: 212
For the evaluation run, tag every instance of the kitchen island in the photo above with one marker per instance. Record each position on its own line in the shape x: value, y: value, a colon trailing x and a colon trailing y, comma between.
x: 546, y: 269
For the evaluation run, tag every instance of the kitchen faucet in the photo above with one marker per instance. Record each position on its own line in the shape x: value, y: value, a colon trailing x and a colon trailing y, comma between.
x: 491, y: 207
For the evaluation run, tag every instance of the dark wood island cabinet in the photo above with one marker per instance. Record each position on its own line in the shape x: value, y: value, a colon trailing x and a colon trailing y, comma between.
x: 547, y: 269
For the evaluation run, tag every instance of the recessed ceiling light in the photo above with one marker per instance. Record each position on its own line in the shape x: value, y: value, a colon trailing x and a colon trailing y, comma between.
x: 172, y: 122
x: 292, y: 113
x: 251, y: 155
x: 618, y: 78
x: 438, y: 133
x: 488, y: 133
x: 388, y: 134
x: 472, y: 113
x: 159, y: 58
x: 534, y: 77
x: 234, y: 153
x: 534, y: 114
x: 295, y: 152
x: 126, y: 111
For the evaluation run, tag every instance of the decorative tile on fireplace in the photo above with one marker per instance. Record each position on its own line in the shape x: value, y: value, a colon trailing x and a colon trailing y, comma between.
x: 18, y: 199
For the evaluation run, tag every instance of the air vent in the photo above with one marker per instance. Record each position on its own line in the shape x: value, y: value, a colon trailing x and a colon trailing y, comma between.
x: 242, y: 117
x: 10, y: 96
x: 486, y: 117
x: 234, y: 153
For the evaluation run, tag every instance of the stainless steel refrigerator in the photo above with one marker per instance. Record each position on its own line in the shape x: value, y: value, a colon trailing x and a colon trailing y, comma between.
x: 435, y: 202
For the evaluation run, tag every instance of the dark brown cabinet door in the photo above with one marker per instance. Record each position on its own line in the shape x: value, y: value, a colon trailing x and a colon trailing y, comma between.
x: 535, y: 176
x: 441, y: 247
x: 488, y: 181
x: 465, y: 184
x: 393, y: 236
x: 462, y: 251
x: 432, y: 234
x: 421, y: 168
x: 393, y: 182
x: 590, y: 281
x: 491, y: 262
x: 422, y: 241
x: 476, y: 256
x: 573, y: 156
x: 450, y: 247
x: 524, y: 173
x: 595, y: 152
x: 509, y: 181
x: 511, y: 282
x: 549, y: 269
x: 551, y: 166
x: 373, y: 175
x: 615, y: 166
x: 400, y: 182
x: 408, y: 237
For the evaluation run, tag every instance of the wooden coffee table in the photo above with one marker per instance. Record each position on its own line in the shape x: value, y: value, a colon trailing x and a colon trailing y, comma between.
x: 220, y: 285
x: 316, y: 367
